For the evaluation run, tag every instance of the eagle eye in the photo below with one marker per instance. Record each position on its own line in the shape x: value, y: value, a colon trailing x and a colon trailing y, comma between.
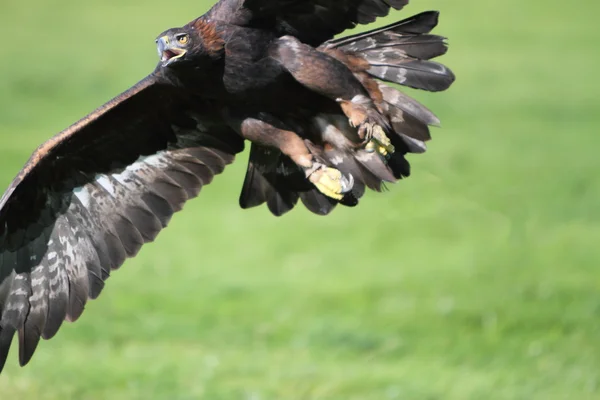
x: 183, y: 39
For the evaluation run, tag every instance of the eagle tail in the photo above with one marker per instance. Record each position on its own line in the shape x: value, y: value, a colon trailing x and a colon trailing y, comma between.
x: 410, y: 120
x: 401, y: 52
x: 270, y: 178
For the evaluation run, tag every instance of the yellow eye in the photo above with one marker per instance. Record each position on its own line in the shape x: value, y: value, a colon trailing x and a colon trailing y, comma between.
x: 183, y: 39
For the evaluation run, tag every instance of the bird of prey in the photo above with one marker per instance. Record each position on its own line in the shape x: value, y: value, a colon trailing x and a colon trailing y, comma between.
x: 322, y: 121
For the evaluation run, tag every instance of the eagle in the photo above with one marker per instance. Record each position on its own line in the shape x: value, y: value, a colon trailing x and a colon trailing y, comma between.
x: 318, y: 111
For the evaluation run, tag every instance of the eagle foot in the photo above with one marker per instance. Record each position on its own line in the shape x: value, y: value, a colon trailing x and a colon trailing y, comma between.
x: 330, y: 181
x: 377, y: 140
x: 363, y: 115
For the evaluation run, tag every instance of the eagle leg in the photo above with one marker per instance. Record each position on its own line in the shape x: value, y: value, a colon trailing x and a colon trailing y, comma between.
x: 329, y: 181
x: 330, y: 77
x: 369, y: 124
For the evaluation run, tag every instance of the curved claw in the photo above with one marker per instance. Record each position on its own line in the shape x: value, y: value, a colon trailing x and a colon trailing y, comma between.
x: 347, y: 183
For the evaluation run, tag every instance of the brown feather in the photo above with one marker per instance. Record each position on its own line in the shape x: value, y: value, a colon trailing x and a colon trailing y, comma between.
x: 212, y: 40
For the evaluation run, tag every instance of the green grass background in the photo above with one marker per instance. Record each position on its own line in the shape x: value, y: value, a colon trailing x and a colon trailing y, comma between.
x: 477, y: 278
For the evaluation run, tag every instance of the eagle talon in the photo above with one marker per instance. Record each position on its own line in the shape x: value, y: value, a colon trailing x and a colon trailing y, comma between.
x: 383, y: 144
x: 330, y: 181
x: 377, y: 141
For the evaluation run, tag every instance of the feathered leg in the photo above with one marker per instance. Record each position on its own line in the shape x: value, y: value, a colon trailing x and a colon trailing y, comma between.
x: 331, y: 78
x: 329, y: 181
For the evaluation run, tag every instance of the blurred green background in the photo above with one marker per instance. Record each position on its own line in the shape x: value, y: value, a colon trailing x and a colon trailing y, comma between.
x: 477, y: 278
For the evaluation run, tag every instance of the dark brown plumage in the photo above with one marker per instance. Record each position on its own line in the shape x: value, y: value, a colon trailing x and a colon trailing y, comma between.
x: 322, y: 130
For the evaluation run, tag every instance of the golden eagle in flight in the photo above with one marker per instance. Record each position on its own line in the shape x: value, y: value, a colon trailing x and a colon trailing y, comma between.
x: 322, y: 126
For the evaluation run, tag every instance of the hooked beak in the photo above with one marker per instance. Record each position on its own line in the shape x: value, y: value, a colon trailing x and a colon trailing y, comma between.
x: 167, y: 52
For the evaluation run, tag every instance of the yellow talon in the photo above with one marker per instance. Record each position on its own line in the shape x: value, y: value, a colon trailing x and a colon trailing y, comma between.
x: 382, y: 150
x: 331, y: 182
x: 380, y: 142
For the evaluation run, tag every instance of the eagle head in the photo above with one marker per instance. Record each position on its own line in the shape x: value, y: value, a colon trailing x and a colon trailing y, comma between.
x: 173, y: 45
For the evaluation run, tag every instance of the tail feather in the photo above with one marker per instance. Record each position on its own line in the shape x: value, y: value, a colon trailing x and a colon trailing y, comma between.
x: 409, y: 118
x: 399, y: 165
x: 423, y: 47
x: 406, y: 103
x: 281, y: 201
x: 405, y: 124
x: 369, y: 11
x: 417, y: 74
x: 255, y: 188
x: 413, y: 145
x: 397, y: 4
x: 400, y: 53
x: 317, y: 202
x: 373, y: 164
x: 266, y: 181
x: 417, y: 24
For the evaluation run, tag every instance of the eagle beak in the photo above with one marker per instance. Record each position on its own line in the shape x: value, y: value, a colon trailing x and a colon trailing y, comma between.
x: 167, y: 52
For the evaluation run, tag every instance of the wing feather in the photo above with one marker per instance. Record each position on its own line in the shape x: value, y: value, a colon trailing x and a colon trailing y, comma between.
x: 311, y: 21
x: 91, y: 196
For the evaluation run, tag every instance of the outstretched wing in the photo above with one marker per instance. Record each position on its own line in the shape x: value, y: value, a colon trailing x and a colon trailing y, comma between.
x: 92, y: 196
x: 311, y: 21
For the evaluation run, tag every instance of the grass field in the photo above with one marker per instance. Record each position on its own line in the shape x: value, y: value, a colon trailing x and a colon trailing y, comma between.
x: 477, y: 278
